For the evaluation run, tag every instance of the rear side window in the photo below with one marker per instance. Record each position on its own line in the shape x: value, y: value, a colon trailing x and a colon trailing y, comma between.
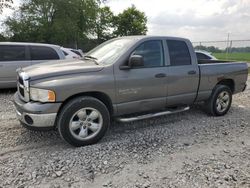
x: 43, y: 53
x: 179, y: 53
x: 152, y: 53
x: 202, y: 56
x: 12, y: 53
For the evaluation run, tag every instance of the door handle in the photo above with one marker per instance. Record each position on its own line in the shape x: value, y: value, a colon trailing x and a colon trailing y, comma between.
x: 192, y: 72
x: 160, y: 75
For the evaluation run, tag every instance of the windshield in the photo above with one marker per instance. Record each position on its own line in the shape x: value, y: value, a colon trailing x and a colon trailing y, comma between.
x: 111, y: 50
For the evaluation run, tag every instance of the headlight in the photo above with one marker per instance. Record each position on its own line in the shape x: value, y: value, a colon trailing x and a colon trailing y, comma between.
x: 42, y: 95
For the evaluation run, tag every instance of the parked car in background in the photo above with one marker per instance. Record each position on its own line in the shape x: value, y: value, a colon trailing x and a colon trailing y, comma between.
x: 79, y: 52
x: 204, y: 55
x: 72, y: 53
x: 18, y: 54
x: 127, y: 78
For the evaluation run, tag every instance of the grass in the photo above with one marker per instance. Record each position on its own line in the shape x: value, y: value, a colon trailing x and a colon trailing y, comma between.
x: 233, y: 56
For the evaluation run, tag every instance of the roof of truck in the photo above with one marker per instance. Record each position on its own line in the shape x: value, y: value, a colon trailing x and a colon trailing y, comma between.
x: 153, y: 36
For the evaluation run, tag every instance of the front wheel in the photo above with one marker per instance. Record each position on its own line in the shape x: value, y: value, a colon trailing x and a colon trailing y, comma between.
x: 83, y: 121
x: 220, y: 101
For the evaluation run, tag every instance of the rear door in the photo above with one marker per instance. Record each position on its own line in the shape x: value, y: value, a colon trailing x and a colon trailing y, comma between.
x: 11, y: 58
x: 182, y: 75
x: 41, y: 54
x: 144, y: 88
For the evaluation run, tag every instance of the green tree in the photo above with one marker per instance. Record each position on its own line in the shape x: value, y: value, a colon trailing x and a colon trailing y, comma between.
x: 30, y: 20
x: 103, y: 24
x: 208, y: 48
x: 5, y: 4
x: 71, y: 23
x: 63, y: 22
x: 130, y: 22
x: 2, y: 38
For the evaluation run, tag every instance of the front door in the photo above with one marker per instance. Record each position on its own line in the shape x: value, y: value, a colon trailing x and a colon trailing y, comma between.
x: 143, y: 88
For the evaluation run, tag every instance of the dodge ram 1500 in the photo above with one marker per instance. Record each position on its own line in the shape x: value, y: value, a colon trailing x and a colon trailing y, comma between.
x: 127, y: 78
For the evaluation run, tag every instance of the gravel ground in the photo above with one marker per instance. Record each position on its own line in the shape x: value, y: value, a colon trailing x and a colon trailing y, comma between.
x: 189, y: 149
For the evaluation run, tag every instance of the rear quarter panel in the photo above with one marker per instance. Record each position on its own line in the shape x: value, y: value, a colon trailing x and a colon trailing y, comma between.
x: 212, y: 74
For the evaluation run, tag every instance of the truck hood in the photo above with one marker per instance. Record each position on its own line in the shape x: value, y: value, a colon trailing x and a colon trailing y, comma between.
x: 60, y: 68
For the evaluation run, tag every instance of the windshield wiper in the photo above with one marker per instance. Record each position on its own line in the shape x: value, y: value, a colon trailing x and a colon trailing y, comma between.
x: 91, y: 58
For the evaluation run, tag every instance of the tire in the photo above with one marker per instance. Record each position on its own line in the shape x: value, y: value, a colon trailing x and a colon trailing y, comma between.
x: 217, y: 105
x: 83, y: 121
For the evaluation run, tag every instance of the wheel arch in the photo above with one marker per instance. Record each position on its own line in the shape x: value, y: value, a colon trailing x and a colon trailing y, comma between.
x: 227, y: 82
x: 98, y: 95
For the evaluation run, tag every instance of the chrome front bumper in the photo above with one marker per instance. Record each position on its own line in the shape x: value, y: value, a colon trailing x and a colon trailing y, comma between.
x: 37, y: 120
x: 35, y: 114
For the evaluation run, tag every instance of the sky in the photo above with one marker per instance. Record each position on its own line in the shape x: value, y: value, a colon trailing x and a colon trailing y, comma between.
x: 198, y: 20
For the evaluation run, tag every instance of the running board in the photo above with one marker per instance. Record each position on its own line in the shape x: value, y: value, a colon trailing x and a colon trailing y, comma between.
x: 146, y: 116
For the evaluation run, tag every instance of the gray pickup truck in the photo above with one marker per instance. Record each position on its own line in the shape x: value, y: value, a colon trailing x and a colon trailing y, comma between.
x: 127, y: 78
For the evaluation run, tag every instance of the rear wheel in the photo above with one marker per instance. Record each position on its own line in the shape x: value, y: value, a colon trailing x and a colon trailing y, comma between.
x: 220, y: 101
x: 83, y: 121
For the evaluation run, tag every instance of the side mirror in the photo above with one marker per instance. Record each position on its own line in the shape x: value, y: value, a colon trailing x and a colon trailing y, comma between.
x: 136, y: 61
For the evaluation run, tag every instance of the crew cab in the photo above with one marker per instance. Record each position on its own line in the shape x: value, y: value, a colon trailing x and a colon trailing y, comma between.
x: 128, y: 79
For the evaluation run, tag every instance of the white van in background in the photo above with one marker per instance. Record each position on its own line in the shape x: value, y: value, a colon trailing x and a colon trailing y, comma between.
x: 19, y: 54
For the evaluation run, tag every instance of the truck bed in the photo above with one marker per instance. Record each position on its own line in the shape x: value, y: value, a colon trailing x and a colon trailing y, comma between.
x: 212, y: 72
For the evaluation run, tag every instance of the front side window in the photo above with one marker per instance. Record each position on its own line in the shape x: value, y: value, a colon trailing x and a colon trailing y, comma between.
x: 152, y: 53
x: 178, y: 53
x: 43, y: 53
x: 12, y: 53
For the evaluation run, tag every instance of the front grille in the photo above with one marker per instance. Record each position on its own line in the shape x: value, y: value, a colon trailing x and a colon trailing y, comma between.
x: 20, y: 87
x: 23, y: 86
x: 20, y: 80
x: 21, y: 91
